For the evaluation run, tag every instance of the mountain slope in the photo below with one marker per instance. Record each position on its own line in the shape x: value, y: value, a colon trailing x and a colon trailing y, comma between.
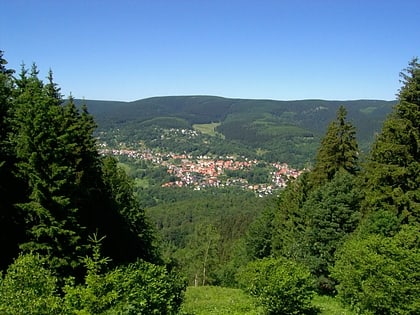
x: 280, y: 129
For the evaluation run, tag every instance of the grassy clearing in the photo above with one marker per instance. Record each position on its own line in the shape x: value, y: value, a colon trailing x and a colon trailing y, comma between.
x: 330, y: 306
x: 210, y: 300
x: 208, y: 129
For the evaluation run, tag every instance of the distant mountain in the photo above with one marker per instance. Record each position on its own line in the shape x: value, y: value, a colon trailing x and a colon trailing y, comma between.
x: 276, y: 129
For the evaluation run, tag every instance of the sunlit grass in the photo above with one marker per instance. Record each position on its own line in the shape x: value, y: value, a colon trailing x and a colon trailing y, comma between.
x: 330, y: 306
x: 211, y: 300
x: 208, y: 129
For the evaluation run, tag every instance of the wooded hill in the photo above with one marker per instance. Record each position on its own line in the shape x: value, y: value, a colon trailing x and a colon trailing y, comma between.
x: 285, y: 131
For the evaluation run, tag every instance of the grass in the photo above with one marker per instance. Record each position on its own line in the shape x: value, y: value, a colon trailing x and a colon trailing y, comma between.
x: 330, y: 306
x: 208, y: 129
x: 211, y: 300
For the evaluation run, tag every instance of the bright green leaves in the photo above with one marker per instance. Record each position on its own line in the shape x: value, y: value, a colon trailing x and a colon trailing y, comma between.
x: 380, y: 274
x: 281, y: 286
x: 29, y: 288
x: 200, y: 256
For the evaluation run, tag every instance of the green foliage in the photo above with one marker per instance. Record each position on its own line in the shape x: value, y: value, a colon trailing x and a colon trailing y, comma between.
x: 258, y: 239
x: 332, y: 215
x: 290, y: 220
x: 379, y: 274
x: 138, y: 288
x: 47, y: 165
x: 182, y: 214
x: 199, y: 257
x: 29, y: 287
x: 287, y: 131
x: 132, y: 238
x: 338, y: 150
x: 11, y: 223
x: 281, y: 286
x: 392, y: 180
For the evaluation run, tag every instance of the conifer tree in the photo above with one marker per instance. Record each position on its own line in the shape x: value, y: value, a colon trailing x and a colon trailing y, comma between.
x: 289, y: 220
x: 338, y: 150
x: 392, y: 177
x: 333, y: 213
x: 11, y: 225
x: 70, y: 191
x: 42, y: 163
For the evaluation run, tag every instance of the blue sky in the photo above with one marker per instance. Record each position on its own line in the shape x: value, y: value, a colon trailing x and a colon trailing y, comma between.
x: 291, y: 49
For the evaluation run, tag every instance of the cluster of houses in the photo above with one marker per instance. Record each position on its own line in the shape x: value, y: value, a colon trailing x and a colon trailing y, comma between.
x: 198, y: 172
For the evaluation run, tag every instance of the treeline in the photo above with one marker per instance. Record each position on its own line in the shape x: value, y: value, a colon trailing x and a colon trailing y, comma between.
x: 351, y: 225
x: 73, y: 237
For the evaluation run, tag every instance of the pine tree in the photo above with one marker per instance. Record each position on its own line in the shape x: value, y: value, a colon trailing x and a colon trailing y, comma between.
x: 11, y: 225
x: 392, y: 176
x: 338, y: 150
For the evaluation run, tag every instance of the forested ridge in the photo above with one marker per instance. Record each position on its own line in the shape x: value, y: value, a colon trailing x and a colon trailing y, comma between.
x: 79, y: 235
x: 283, y: 131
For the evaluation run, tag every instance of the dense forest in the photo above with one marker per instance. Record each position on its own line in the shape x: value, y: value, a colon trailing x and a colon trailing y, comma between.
x: 273, y: 131
x: 80, y: 236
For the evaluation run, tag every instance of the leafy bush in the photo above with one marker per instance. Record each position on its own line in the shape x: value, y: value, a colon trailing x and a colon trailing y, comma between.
x: 138, y: 288
x: 281, y: 286
x: 379, y: 275
x: 29, y: 287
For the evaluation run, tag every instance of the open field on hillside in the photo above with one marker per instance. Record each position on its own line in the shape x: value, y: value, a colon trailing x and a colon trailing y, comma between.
x: 208, y: 129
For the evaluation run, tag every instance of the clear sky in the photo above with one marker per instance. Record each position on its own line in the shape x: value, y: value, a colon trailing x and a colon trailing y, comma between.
x: 292, y: 49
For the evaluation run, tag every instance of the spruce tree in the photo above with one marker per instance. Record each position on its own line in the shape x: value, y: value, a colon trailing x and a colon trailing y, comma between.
x: 11, y: 224
x: 338, y: 150
x: 333, y: 212
x: 392, y: 176
x: 51, y: 218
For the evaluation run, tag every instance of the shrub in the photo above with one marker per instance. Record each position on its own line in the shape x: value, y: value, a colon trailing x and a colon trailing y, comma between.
x: 379, y: 274
x: 29, y: 287
x: 281, y: 286
x: 138, y: 288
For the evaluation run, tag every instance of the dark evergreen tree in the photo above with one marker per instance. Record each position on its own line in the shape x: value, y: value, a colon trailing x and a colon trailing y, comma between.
x: 258, y: 240
x: 317, y: 211
x: 70, y: 191
x: 51, y: 218
x: 128, y: 233
x: 11, y: 225
x: 392, y: 176
x: 290, y: 221
x: 338, y: 150
x: 333, y: 212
